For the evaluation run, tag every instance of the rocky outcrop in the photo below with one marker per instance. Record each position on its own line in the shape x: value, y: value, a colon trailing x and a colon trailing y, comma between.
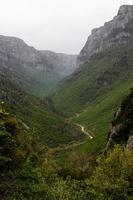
x: 130, y: 142
x: 121, y: 130
x: 117, y: 31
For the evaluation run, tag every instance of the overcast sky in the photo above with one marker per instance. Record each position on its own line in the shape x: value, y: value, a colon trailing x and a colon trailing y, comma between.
x: 57, y: 25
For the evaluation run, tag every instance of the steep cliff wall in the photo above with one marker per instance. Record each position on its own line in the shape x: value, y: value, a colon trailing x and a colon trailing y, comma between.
x: 42, y: 70
x: 117, y: 31
x: 121, y: 130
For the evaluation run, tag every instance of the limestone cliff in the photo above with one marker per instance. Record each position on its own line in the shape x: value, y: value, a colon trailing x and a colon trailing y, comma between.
x: 117, y: 31
x: 42, y: 70
x: 64, y: 64
x: 121, y: 130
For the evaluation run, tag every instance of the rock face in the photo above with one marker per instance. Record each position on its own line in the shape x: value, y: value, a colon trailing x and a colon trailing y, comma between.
x: 130, y: 142
x: 63, y: 63
x: 117, y: 31
x: 121, y: 130
x: 14, y: 47
x: 26, y: 65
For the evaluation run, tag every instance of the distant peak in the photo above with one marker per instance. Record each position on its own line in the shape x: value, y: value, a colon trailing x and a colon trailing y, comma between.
x: 124, y: 9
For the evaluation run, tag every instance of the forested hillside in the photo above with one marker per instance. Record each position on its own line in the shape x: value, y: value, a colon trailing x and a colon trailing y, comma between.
x: 29, y: 170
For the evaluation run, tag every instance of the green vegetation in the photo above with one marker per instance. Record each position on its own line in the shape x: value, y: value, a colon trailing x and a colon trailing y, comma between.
x: 104, y: 108
x: 28, y: 171
x: 95, y: 90
x: 45, y: 83
x: 103, y: 73
x: 36, y: 115
x: 121, y: 130
x: 46, y: 153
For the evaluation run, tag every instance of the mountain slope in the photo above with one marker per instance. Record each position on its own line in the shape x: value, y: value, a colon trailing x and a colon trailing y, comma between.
x: 104, y: 72
x: 95, y: 103
x: 94, y: 90
x: 38, y: 71
x: 64, y: 64
x: 117, y: 31
x: 35, y: 113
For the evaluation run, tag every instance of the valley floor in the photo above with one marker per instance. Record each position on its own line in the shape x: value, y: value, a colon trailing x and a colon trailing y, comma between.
x: 87, y: 133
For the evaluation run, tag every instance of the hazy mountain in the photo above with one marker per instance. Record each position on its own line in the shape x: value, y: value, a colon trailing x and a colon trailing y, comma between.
x: 62, y: 63
x: 40, y: 70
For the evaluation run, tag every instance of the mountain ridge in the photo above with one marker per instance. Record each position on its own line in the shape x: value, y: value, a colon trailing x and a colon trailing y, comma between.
x: 43, y: 70
x: 117, y: 31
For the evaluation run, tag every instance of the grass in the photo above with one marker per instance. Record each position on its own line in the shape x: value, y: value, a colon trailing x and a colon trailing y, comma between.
x: 94, y: 79
x: 33, y: 111
x: 95, y: 91
x: 98, y: 118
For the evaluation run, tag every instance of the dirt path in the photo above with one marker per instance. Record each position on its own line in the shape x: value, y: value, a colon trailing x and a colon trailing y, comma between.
x: 78, y: 143
x: 77, y: 114
x: 89, y: 134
